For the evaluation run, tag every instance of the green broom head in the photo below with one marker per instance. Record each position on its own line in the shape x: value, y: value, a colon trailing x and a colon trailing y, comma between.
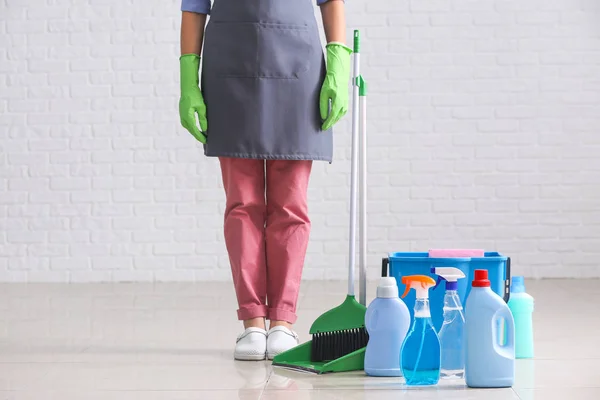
x: 339, y: 331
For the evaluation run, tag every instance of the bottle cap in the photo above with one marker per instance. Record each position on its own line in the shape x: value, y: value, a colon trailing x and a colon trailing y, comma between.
x: 481, y: 278
x: 517, y: 284
x: 387, y: 288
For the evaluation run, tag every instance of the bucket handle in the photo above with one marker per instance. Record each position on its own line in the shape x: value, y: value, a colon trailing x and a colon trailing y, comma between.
x: 507, y: 281
x: 385, y: 262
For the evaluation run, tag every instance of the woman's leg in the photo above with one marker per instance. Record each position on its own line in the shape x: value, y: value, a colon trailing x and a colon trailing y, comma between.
x: 287, y: 233
x: 244, y: 184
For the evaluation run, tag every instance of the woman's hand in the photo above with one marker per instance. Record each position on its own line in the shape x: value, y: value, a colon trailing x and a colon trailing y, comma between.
x: 191, y: 101
x: 333, y: 102
x: 335, y: 86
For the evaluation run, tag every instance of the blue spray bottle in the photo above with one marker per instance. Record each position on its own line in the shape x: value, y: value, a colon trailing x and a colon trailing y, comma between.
x: 452, y: 332
x: 420, y: 353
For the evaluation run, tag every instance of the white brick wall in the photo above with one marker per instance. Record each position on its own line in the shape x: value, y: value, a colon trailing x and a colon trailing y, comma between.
x: 484, y: 120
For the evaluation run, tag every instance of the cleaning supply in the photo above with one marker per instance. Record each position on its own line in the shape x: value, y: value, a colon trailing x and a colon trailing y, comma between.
x: 387, y: 321
x: 489, y: 337
x: 419, y: 263
x: 192, y: 110
x: 450, y: 253
x: 341, y: 331
x: 521, y: 306
x: 420, y: 353
x: 452, y: 332
x: 339, y: 336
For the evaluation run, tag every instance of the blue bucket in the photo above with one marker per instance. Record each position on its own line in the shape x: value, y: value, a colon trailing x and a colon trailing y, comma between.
x: 416, y: 263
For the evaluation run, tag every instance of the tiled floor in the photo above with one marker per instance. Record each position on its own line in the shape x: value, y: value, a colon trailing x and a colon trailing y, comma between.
x: 174, y: 341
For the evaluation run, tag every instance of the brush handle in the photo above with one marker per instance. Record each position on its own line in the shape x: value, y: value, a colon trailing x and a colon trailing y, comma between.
x: 354, y: 167
x: 362, y: 190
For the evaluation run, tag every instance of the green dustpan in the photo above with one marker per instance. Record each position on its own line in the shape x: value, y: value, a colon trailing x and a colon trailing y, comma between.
x: 298, y: 358
x: 347, y: 315
x: 350, y: 315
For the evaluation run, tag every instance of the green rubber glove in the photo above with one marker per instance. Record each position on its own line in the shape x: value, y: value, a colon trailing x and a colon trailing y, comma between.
x: 191, y: 100
x: 335, y: 86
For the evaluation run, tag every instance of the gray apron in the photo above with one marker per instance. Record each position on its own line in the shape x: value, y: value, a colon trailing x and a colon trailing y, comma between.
x: 262, y: 71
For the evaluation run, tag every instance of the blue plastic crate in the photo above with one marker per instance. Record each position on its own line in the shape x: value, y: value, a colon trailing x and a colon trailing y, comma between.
x: 419, y: 263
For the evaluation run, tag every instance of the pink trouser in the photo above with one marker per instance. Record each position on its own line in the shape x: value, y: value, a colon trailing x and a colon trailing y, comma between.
x: 266, y: 233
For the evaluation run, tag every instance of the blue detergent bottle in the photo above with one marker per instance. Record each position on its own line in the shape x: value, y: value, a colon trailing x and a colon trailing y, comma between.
x: 420, y: 353
x: 387, y: 321
x: 451, y: 333
x: 521, y: 306
x: 490, y: 352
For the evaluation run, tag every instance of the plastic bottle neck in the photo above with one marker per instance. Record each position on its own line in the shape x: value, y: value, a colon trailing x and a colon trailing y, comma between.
x: 452, y: 301
x: 422, y: 308
x: 387, y: 292
x: 387, y: 288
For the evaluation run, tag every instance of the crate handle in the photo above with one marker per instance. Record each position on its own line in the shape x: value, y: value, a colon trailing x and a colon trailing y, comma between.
x: 385, y: 262
x: 507, y: 281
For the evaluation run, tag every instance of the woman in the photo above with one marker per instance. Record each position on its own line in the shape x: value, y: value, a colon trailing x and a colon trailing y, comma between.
x: 265, y: 109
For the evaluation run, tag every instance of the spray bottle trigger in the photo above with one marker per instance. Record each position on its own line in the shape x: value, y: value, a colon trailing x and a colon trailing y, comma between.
x: 439, y: 279
x: 406, y: 291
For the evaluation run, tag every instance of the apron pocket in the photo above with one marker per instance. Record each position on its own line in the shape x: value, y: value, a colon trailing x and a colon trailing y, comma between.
x: 231, y: 49
x: 258, y: 50
x: 284, y: 50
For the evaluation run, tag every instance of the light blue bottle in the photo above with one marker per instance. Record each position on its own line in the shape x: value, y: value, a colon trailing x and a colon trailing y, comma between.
x: 387, y: 321
x: 521, y: 306
x: 451, y: 333
x: 488, y: 362
x: 420, y: 353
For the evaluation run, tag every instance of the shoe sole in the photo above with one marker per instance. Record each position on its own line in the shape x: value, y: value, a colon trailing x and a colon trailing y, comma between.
x: 249, y: 357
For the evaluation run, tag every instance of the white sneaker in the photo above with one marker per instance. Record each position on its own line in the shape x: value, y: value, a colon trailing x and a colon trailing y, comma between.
x: 251, y: 345
x: 280, y: 339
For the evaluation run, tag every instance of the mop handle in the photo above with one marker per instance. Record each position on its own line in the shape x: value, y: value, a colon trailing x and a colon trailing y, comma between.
x: 354, y: 162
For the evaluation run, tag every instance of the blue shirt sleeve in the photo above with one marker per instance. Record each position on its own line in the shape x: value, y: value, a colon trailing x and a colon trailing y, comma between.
x: 196, y: 6
x: 203, y: 6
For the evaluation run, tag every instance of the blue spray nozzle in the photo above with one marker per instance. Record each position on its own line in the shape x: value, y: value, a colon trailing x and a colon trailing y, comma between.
x: 439, y: 278
x: 448, y: 274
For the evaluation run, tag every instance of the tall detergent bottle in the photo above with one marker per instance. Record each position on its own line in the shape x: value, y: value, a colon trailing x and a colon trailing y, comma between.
x: 420, y: 353
x: 521, y: 306
x: 451, y: 333
x: 490, y: 351
x: 387, y: 321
